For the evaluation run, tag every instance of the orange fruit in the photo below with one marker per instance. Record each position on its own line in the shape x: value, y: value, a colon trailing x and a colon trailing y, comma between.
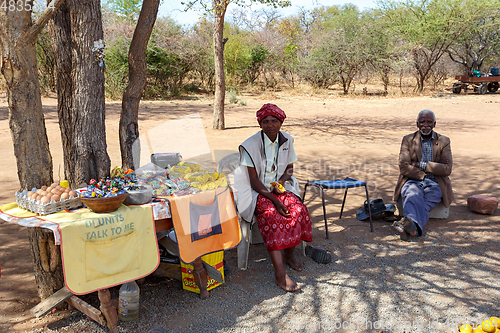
x: 488, y: 326
x: 466, y: 328
x: 495, y: 321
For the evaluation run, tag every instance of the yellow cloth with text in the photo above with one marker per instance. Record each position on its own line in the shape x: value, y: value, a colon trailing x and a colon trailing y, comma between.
x: 101, y: 250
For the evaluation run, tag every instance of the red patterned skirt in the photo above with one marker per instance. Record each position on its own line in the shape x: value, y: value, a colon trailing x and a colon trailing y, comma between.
x: 279, y: 232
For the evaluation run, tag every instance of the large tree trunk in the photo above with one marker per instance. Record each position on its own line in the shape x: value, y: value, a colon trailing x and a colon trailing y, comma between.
x: 46, y: 262
x: 78, y: 125
x: 80, y: 91
x: 219, y: 7
x: 129, y: 127
x: 66, y: 27
x: 60, y: 34
x: 89, y: 154
x: 27, y: 124
x: 26, y: 120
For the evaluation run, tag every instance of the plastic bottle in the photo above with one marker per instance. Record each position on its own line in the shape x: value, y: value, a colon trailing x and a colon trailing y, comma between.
x: 128, y: 302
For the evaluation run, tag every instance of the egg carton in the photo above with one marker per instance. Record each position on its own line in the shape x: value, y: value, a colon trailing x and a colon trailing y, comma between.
x: 32, y: 205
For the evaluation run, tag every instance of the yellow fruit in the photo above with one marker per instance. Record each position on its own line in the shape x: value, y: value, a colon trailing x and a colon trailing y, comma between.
x: 478, y: 329
x: 279, y: 187
x: 488, y: 326
x: 466, y: 328
x: 495, y: 321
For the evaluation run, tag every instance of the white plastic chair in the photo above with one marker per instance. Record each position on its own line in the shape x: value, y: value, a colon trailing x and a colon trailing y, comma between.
x: 250, y: 234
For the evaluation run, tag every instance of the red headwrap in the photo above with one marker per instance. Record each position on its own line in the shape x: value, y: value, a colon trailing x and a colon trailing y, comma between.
x: 270, y: 110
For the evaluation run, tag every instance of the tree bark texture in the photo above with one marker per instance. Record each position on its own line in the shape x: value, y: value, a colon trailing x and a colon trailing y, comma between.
x: 46, y: 262
x: 219, y: 7
x: 80, y: 89
x: 31, y: 147
x: 26, y: 120
x: 60, y: 33
x: 129, y: 127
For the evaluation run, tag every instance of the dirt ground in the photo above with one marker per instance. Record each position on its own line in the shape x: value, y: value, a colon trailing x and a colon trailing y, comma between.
x: 334, y: 136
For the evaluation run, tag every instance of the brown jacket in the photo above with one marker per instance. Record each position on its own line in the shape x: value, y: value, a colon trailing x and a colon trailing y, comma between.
x: 411, y: 151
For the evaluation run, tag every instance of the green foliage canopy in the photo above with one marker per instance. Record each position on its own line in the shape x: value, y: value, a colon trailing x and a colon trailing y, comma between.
x: 345, y: 46
x: 479, y: 46
x: 128, y: 8
x: 430, y: 27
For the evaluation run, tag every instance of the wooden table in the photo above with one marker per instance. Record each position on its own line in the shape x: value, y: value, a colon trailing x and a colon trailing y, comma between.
x: 106, y: 314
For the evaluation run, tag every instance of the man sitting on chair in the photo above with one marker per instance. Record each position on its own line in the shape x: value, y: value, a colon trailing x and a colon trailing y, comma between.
x: 425, y: 162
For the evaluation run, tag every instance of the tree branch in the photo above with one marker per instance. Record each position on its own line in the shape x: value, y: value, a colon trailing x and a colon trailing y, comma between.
x: 35, y: 29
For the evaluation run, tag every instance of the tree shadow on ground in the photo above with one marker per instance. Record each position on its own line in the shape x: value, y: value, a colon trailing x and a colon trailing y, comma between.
x: 451, y: 273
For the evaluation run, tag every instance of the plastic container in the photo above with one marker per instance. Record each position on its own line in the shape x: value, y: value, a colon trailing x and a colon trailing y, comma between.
x: 164, y: 160
x: 138, y: 194
x: 128, y: 302
x: 494, y: 71
x: 24, y: 202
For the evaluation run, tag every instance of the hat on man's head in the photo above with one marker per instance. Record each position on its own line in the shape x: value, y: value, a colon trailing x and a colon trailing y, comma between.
x: 377, y: 206
x: 270, y: 110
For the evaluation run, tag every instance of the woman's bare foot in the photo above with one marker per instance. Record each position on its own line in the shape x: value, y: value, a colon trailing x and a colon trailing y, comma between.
x: 290, y: 260
x: 287, y: 284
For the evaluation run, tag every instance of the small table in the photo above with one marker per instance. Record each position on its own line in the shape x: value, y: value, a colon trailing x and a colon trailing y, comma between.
x: 106, y: 314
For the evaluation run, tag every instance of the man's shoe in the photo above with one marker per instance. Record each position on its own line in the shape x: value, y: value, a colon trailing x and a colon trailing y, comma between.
x: 398, y: 226
x: 405, y: 228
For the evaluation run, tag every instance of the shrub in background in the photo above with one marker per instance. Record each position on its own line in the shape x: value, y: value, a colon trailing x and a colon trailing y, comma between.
x: 45, y: 63
x: 201, y: 53
x: 116, y: 70
x: 118, y: 33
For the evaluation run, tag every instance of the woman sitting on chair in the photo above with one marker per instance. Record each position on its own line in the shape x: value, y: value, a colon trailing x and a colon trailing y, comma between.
x: 283, y: 219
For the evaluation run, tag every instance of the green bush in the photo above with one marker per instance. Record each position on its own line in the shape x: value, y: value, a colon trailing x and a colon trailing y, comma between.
x: 166, y: 72
x: 199, y: 47
x: 258, y: 56
x: 45, y: 63
x: 233, y: 99
x: 316, y: 70
x: 237, y: 55
x: 169, y: 60
x: 116, y: 70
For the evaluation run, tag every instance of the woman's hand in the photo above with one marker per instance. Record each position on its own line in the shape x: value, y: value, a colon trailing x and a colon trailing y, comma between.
x: 277, y: 187
x: 280, y: 207
x: 262, y: 190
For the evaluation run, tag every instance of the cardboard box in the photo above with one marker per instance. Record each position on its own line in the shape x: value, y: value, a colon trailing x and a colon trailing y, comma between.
x: 214, y: 259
